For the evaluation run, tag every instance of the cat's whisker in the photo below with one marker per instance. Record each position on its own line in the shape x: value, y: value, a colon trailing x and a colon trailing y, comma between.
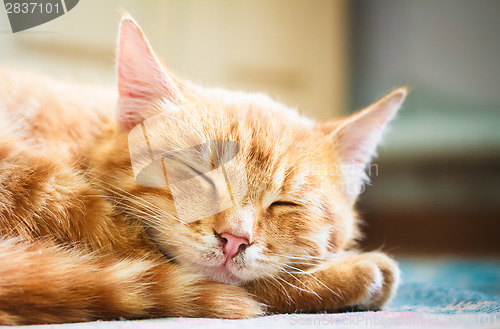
x: 307, y: 288
x: 171, y: 258
x: 303, y: 257
x: 310, y: 265
x: 296, y: 287
x: 268, y: 279
x: 148, y: 217
x: 299, y: 271
x: 139, y: 200
x: 152, y: 212
x: 118, y: 201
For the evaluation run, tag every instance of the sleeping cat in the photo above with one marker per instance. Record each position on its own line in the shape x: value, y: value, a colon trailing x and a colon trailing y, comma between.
x: 82, y: 239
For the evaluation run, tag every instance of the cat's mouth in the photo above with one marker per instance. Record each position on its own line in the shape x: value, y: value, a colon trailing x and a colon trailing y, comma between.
x: 228, y: 275
x: 220, y: 273
x: 222, y: 270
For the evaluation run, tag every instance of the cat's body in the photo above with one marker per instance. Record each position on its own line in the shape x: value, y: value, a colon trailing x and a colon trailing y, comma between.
x: 81, y: 240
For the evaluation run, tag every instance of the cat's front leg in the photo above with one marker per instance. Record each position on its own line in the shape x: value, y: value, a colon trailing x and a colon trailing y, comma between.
x: 364, y: 281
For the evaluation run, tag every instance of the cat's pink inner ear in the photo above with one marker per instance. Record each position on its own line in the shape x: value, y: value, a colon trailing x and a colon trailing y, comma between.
x: 142, y: 81
x: 358, y: 136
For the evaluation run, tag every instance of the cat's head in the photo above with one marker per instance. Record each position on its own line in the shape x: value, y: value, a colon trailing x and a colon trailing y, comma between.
x: 291, y: 187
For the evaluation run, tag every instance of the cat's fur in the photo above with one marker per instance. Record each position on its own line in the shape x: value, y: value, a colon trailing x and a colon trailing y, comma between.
x: 81, y: 240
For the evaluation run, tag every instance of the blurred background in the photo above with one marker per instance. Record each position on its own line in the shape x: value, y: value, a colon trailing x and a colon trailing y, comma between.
x: 436, y: 192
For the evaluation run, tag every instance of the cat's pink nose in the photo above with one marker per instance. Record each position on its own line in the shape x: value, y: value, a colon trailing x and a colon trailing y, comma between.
x: 233, y: 245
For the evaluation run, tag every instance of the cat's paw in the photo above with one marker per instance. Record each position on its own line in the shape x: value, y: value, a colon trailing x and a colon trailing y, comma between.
x: 229, y: 302
x: 380, y: 275
x: 351, y: 281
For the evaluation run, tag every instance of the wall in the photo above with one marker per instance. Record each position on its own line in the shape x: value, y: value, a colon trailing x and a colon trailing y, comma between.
x: 295, y: 50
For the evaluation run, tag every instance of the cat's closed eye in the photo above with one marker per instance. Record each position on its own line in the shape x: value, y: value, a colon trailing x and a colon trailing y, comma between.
x: 280, y: 204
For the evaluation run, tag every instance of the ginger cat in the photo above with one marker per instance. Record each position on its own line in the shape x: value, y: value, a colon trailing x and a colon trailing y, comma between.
x: 81, y: 239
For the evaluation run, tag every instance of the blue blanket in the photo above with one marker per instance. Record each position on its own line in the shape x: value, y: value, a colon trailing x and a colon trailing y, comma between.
x: 432, y: 298
x: 448, y: 286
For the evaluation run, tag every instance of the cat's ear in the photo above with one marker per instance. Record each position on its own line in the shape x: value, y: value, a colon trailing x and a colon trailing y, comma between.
x: 356, y: 139
x: 142, y: 81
